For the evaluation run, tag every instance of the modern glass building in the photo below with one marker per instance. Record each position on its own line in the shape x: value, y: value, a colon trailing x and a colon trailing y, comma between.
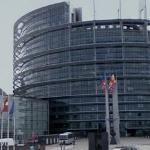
x: 31, y: 116
x: 62, y: 62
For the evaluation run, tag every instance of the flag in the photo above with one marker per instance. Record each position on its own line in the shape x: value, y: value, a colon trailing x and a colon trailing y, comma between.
x: 112, y: 83
x: 103, y: 84
x: 12, y: 107
x: 4, y: 106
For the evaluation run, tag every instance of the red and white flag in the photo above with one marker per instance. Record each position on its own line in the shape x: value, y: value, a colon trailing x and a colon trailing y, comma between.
x: 103, y: 84
x: 4, y: 104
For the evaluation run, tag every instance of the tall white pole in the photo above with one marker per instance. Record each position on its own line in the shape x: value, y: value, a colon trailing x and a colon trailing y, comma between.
x: 1, y: 128
x: 8, y: 131
x: 8, y: 121
x: 14, y: 128
x: 107, y: 120
x: 2, y: 120
x: 116, y: 118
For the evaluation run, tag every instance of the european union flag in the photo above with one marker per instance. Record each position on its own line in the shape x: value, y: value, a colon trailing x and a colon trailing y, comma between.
x: 12, y: 108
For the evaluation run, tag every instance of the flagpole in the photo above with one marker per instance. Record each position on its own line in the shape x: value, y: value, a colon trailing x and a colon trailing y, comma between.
x: 8, y: 121
x: 2, y: 121
x: 14, y: 130
x: 8, y: 131
x: 107, y: 121
x: 12, y: 114
x: 116, y: 119
x: 1, y: 127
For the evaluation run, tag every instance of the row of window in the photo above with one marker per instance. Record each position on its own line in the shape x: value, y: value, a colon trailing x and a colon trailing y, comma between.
x: 87, y: 100
x: 32, y: 115
x: 94, y: 125
x: 88, y: 55
x: 135, y: 115
x: 48, y: 16
x: 89, y: 87
x: 60, y: 38
x: 81, y: 71
x: 84, y: 71
x: 101, y: 116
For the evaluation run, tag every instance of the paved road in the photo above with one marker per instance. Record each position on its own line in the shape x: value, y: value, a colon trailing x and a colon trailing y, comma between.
x: 82, y: 144
x: 139, y: 142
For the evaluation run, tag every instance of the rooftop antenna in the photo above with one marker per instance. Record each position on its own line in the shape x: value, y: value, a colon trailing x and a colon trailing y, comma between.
x: 94, y: 23
x: 120, y: 10
x: 69, y: 3
x: 94, y: 10
x: 143, y: 9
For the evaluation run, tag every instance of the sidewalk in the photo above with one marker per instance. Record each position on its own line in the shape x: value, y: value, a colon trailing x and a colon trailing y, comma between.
x: 140, y: 142
x: 82, y: 144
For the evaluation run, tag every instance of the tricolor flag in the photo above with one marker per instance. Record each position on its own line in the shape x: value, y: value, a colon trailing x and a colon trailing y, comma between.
x: 112, y: 83
x: 4, y: 105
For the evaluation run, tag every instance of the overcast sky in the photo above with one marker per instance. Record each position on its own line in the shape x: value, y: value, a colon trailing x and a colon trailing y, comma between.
x: 11, y: 10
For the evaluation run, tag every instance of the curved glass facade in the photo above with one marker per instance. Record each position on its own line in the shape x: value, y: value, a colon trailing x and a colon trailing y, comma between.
x: 62, y: 62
